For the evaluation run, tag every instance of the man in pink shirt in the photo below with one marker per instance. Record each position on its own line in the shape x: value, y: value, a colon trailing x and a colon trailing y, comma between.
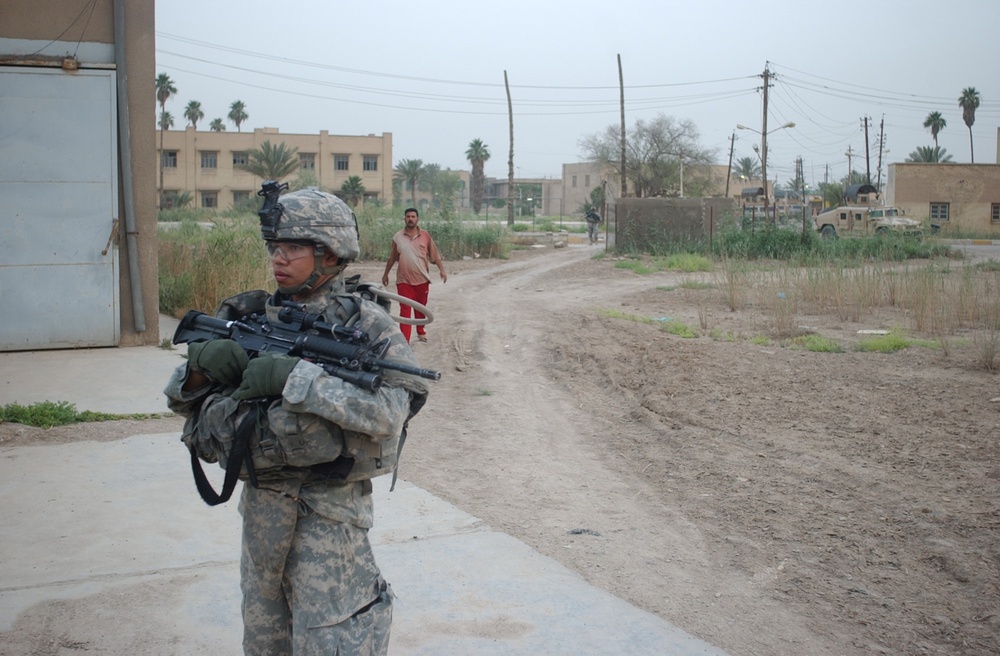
x: 415, y: 251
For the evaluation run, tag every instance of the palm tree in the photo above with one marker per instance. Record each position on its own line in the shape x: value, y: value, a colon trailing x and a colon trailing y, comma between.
x: 217, y: 125
x: 969, y: 102
x: 238, y: 113
x: 748, y: 167
x: 166, y: 120
x: 931, y: 154
x: 832, y: 192
x: 164, y: 89
x: 936, y: 123
x: 410, y: 171
x: 352, y: 190
x: 193, y: 113
x: 478, y: 154
x: 271, y: 162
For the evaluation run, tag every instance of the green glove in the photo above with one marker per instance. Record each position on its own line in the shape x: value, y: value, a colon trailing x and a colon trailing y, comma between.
x: 222, y: 360
x: 265, y: 376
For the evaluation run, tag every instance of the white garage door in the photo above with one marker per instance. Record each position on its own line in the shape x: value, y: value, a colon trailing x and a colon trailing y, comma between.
x: 58, y: 204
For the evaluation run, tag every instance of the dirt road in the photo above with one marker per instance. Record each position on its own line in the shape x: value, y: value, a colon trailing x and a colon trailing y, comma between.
x: 771, y: 501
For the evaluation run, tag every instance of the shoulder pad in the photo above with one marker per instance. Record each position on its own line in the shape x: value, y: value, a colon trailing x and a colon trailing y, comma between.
x: 241, y: 305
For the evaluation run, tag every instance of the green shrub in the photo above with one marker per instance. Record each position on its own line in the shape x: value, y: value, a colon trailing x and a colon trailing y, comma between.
x: 817, y: 344
x: 890, y: 343
x: 48, y: 414
x: 688, y: 262
x: 677, y: 328
x: 783, y: 244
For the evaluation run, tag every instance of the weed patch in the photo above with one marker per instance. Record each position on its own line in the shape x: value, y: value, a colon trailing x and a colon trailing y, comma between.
x: 890, y: 343
x: 817, y: 344
x: 48, y: 414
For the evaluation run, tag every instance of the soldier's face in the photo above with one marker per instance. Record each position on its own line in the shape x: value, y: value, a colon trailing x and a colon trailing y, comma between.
x: 291, y: 269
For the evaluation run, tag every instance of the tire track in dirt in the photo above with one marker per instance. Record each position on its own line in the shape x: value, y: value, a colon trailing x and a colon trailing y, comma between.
x: 505, y: 440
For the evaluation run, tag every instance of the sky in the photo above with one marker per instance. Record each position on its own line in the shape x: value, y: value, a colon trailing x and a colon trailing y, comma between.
x: 432, y: 74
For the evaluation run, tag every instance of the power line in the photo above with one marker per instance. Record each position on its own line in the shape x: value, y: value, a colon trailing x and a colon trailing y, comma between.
x: 250, y: 53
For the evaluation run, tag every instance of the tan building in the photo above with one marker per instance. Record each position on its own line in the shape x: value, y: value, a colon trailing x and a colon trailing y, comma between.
x: 204, y: 163
x: 578, y: 181
x: 957, y: 197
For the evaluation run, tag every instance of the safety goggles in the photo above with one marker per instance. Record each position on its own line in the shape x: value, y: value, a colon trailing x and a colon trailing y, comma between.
x: 288, y: 250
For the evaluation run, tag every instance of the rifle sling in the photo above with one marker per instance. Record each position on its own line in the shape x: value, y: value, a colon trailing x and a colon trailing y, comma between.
x: 238, y: 456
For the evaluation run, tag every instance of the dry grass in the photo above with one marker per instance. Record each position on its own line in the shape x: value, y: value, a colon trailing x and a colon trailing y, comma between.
x: 934, y: 300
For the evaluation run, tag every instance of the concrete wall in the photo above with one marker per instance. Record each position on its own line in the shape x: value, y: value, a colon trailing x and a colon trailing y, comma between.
x: 641, y: 221
x: 58, y: 29
x: 971, y: 191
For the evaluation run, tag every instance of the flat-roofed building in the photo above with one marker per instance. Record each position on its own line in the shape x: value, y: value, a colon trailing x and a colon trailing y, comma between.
x: 206, y: 164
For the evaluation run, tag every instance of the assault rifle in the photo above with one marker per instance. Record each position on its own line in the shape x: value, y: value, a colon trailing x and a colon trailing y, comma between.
x: 343, y: 352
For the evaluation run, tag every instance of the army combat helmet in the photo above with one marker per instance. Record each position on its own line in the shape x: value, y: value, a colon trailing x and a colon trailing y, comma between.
x: 313, y: 216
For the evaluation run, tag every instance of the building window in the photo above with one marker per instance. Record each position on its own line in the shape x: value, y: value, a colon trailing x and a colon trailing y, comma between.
x: 574, y: 180
x: 240, y: 197
x: 939, y: 211
x: 307, y: 161
x: 369, y: 163
x: 586, y: 181
x: 995, y: 213
x: 209, y: 159
x: 340, y: 162
x: 209, y: 199
x: 169, y: 159
x: 239, y: 158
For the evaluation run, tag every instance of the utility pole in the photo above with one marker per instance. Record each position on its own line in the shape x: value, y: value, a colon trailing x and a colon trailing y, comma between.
x: 800, y: 177
x: 680, y: 158
x: 881, y: 142
x: 763, y: 137
x: 729, y: 171
x: 621, y: 104
x: 510, y: 159
x: 868, y: 165
x: 849, y: 153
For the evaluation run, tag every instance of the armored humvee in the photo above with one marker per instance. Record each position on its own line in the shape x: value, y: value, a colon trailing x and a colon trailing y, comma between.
x: 862, y: 220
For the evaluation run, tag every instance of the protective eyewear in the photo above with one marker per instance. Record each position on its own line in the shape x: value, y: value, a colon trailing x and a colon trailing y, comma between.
x: 288, y: 250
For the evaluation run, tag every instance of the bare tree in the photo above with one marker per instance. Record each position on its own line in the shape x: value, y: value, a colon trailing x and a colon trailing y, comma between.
x: 653, y: 151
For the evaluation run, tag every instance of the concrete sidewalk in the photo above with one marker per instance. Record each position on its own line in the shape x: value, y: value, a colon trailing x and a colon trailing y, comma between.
x: 109, y: 542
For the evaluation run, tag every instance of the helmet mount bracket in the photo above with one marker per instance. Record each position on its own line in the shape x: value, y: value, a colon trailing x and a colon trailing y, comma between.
x: 270, y: 211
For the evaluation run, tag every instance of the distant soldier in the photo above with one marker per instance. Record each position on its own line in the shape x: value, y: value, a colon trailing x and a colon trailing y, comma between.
x: 593, y: 220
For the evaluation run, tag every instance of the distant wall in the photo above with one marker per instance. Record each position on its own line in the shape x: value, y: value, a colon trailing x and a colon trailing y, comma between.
x: 641, y: 221
x: 970, y: 192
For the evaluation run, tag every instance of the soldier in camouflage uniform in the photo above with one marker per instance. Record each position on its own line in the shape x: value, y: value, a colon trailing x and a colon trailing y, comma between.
x: 309, y: 579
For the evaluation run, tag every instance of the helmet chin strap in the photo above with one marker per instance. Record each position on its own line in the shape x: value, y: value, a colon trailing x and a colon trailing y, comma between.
x: 320, y: 272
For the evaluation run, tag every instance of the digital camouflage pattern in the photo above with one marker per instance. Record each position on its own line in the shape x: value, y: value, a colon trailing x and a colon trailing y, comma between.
x: 306, y: 565
x: 317, y: 216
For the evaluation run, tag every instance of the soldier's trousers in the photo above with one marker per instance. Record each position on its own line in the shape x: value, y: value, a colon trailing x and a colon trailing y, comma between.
x: 331, y: 599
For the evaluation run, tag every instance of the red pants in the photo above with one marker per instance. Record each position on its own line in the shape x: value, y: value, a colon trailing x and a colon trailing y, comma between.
x: 417, y: 293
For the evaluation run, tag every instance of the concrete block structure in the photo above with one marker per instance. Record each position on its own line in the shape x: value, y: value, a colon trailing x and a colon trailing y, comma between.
x: 205, y: 163
x: 960, y: 198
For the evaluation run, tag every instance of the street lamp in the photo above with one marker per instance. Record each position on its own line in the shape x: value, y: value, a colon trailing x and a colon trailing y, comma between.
x: 763, y: 151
